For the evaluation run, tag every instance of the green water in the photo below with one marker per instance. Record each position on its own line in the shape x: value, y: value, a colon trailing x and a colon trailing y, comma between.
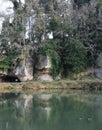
x: 51, y: 111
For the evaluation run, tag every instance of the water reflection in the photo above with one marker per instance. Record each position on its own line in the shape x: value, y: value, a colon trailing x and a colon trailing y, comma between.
x: 71, y: 111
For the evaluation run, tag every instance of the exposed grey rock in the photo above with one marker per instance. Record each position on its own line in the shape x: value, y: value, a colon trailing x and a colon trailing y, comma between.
x: 43, y: 67
x: 24, y: 71
x: 43, y: 62
x: 45, y: 77
x: 99, y: 61
x: 98, y: 73
x: 98, y: 69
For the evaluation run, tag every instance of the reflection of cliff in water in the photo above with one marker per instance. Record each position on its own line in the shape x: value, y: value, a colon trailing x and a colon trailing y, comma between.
x: 50, y: 112
x: 19, y: 111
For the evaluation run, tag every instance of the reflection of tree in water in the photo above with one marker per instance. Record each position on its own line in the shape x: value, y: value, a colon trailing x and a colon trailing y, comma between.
x: 66, y: 113
x: 43, y: 112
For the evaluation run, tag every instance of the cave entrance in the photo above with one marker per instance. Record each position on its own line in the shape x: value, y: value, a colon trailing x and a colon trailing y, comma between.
x: 9, y: 78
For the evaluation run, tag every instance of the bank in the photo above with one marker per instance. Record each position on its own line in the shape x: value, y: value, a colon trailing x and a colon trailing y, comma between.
x: 86, y: 84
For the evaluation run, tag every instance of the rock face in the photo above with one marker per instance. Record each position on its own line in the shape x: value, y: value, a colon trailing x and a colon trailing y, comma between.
x: 43, y: 66
x: 45, y: 77
x: 98, y: 69
x: 99, y: 61
x: 43, y: 62
x: 24, y: 71
x: 98, y: 73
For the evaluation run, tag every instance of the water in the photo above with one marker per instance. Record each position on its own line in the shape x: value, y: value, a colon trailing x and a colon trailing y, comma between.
x: 51, y: 111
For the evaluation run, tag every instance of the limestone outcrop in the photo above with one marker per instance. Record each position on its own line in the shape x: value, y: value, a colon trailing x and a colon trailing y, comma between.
x: 24, y: 70
x: 98, y: 69
x: 43, y: 68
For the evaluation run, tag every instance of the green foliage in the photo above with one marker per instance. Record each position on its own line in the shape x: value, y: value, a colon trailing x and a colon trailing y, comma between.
x: 69, y: 57
x: 81, y: 2
x: 51, y: 50
x: 75, y: 56
x: 66, y: 52
x: 16, y: 4
x: 72, y: 49
x: 90, y: 33
x: 54, y: 23
x: 55, y: 60
x: 44, y: 1
x: 7, y: 59
x: 4, y: 63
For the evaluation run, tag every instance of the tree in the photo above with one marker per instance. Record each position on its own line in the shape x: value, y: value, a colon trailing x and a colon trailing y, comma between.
x: 76, y: 30
x: 89, y: 28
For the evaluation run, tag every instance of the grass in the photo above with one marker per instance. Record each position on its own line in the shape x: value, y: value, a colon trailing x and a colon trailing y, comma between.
x: 85, y: 84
